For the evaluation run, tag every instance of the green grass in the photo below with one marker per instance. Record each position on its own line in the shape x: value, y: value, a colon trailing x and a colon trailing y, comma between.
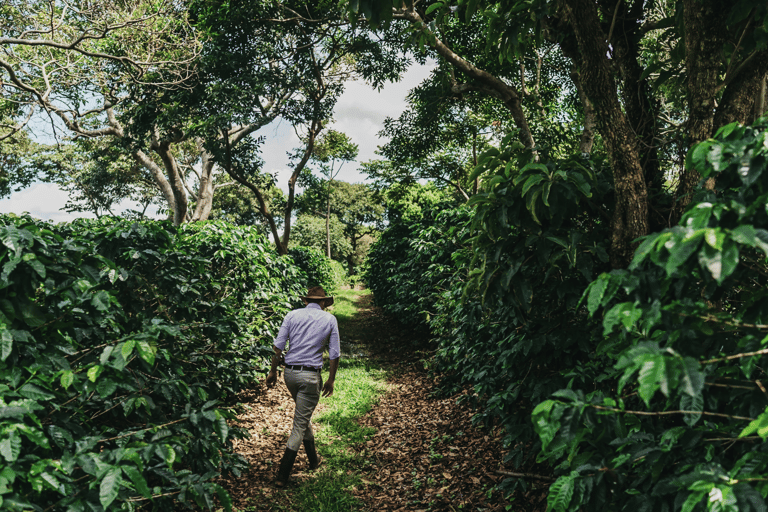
x: 344, y: 305
x: 358, y: 385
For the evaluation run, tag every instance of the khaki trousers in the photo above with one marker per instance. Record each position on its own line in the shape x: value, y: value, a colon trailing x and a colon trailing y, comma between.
x: 305, y: 387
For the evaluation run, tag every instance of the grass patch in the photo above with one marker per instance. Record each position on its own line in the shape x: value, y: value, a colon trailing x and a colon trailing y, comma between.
x: 344, y: 305
x: 358, y: 385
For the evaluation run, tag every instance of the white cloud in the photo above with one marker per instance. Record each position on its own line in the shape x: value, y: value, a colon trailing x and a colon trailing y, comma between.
x: 360, y: 113
x: 42, y: 200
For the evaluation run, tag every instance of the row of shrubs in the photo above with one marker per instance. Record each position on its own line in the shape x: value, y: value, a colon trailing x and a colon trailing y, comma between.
x: 642, y: 389
x: 123, y: 346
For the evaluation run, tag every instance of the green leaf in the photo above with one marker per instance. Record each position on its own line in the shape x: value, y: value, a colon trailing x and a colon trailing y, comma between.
x: 11, y: 238
x: 35, y: 392
x: 10, y: 447
x: 596, y: 290
x: 691, y: 403
x: 757, y: 426
x: 546, y: 420
x: 31, y: 260
x: 127, y: 349
x: 94, y: 372
x: 100, y: 300
x: 67, y: 378
x: 693, y: 499
x: 692, y: 377
x: 106, y: 387
x: 146, y: 352
x: 222, y: 429
x: 6, y: 344
x: 139, y: 483
x: 224, y: 497
x: 433, y: 7
x: 471, y: 8
x: 32, y: 314
x: 560, y: 493
x: 109, y: 487
x: 712, y: 260
x: 652, y: 371
x: 530, y: 182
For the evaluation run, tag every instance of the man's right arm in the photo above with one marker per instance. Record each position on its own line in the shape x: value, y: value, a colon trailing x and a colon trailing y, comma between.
x: 272, y: 376
x: 328, y: 386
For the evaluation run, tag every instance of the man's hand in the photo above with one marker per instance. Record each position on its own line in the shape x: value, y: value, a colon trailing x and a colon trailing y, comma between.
x: 271, y: 378
x: 327, y: 388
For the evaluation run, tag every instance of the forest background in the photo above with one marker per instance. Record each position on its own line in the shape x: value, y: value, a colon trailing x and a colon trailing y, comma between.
x: 575, y: 202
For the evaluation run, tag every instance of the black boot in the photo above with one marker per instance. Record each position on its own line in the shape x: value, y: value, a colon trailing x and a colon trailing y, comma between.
x: 286, y: 465
x: 314, y: 459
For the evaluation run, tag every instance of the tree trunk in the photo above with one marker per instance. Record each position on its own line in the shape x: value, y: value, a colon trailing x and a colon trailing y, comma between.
x: 704, y: 37
x: 630, y: 215
x: 638, y: 105
x: 163, y: 149
x: 205, y: 189
x: 160, y: 180
x: 328, y: 223
x: 743, y: 100
x: 315, y: 127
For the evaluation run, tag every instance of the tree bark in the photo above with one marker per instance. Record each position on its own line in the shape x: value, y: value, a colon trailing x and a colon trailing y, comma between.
x: 638, y: 105
x: 160, y: 180
x: 205, y: 188
x: 163, y: 150
x: 328, y: 223
x: 314, y: 129
x: 630, y: 214
x: 744, y: 94
x: 704, y: 37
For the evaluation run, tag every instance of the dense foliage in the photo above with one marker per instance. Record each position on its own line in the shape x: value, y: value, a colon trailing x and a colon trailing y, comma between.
x: 688, y: 319
x: 122, y: 343
x: 498, y: 284
x: 319, y: 270
x: 511, y: 293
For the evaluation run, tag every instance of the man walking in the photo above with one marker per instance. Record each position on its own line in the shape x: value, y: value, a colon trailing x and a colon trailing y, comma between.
x: 308, y: 331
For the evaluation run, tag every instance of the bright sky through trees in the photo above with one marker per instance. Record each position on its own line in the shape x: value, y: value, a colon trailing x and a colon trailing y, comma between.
x: 360, y: 113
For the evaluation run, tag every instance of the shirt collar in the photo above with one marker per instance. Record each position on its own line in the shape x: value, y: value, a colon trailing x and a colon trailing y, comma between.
x: 313, y: 305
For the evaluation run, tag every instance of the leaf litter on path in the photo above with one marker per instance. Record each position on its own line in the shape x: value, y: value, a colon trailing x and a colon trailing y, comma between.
x: 425, y: 453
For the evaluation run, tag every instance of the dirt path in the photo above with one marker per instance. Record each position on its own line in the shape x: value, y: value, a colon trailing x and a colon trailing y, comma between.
x: 425, y: 454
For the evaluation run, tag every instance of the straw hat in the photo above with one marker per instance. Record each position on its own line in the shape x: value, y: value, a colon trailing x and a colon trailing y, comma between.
x: 318, y: 293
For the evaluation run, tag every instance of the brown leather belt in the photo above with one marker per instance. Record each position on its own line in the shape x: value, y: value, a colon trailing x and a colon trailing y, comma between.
x: 304, y: 368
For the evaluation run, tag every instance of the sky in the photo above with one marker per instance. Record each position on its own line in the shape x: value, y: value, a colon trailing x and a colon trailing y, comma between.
x: 360, y: 113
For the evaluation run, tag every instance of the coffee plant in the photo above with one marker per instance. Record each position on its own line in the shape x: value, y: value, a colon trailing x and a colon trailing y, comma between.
x: 319, y: 269
x: 683, y: 423
x: 122, y: 346
x: 644, y: 389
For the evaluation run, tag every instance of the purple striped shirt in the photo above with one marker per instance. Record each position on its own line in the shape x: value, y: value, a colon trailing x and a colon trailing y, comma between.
x: 309, y: 330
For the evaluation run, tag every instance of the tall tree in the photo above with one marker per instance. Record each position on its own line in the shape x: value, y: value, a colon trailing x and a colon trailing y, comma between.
x: 649, y: 90
x: 356, y: 207
x: 332, y: 150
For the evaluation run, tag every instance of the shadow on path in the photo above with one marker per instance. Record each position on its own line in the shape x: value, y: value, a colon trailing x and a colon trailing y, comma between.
x: 424, y: 453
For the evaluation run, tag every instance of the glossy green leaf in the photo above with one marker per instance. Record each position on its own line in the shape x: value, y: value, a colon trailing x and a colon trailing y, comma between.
x: 6, y: 343
x: 109, y: 487
x: 94, y: 372
x: 146, y: 351
x: 139, y: 483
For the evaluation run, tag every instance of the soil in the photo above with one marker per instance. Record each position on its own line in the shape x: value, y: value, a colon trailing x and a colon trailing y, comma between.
x: 425, y: 454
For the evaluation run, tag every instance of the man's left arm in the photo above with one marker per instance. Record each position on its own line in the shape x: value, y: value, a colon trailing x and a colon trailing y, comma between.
x: 334, y: 353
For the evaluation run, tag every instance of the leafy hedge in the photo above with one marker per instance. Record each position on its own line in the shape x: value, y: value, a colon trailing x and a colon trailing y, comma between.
x: 685, y: 328
x: 120, y: 344
x: 319, y: 270
x: 646, y: 386
x: 497, y: 283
